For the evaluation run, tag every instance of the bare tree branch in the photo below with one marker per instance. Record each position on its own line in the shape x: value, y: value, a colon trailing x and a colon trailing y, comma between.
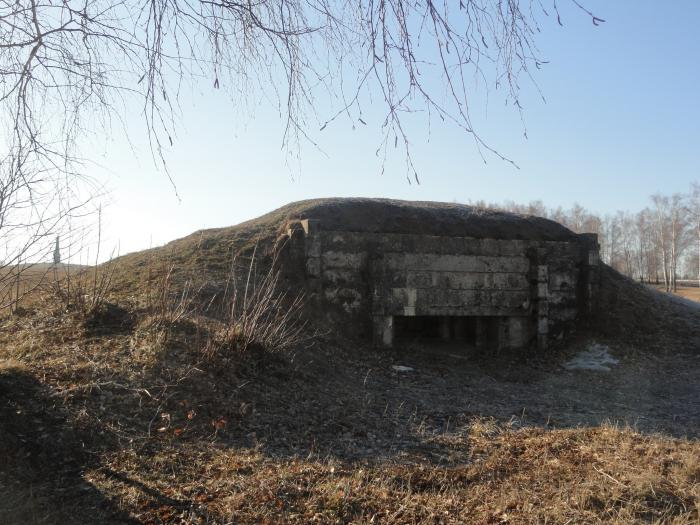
x: 69, y: 67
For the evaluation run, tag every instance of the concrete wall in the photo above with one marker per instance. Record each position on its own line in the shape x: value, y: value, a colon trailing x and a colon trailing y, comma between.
x: 535, y: 289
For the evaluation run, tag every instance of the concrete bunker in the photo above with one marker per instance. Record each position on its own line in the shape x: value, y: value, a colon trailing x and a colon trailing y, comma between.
x: 443, y: 272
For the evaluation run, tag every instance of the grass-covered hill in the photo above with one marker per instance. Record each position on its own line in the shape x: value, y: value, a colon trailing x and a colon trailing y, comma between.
x: 129, y: 395
x: 212, y: 250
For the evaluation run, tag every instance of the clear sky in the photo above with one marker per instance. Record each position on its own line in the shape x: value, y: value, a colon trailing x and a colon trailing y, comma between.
x: 621, y: 121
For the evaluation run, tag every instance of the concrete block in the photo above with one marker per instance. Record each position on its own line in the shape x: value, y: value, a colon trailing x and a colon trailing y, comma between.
x: 295, y: 230
x: 468, y: 280
x: 411, y: 297
x: 311, y: 226
x: 456, y: 302
x: 397, y: 280
x: 420, y: 279
x: 313, y: 247
x: 593, y: 258
x: 563, y: 314
x: 456, y: 263
x: 332, y: 259
x: 517, y: 336
x: 334, y: 276
x: 543, y: 308
x: 313, y: 267
x: 562, y: 298
x: 349, y: 299
x: 562, y: 280
x: 528, y: 284
x: 387, y: 330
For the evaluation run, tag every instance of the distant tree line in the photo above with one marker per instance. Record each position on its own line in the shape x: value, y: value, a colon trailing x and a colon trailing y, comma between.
x: 659, y: 244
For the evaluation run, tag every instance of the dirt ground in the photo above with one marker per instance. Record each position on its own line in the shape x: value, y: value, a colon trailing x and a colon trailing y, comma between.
x: 688, y: 292
x: 364, y: 393
x: 344, y: 434
x: 120, y: 416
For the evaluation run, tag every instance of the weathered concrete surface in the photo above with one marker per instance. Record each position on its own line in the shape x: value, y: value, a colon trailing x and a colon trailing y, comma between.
x: 520, y: 291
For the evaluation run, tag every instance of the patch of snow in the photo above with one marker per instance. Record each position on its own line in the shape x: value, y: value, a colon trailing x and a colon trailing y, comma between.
x: 596, y: 357
x: 401, y: 368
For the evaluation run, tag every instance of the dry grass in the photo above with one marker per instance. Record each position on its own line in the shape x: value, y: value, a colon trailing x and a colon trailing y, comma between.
x: 21, y: 281
x: 127, y: 421
x: 83, y: 293
x: 126, y: 428
x: 688, y: 292
x: 256, y: 311
x: 603, y: 475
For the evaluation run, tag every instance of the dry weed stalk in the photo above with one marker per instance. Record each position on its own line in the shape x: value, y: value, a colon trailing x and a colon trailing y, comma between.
x: 167, y: 307
x: 258, y: 313
x: 251, y: 310
x: 85, y: 293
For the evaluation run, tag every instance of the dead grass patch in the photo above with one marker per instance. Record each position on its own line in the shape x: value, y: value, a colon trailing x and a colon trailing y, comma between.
x: 601, y: 475
x: 132, y: 423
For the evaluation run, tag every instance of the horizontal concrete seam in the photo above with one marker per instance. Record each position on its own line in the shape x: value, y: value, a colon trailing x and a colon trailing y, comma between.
x: 457, y: 272
x: 407, y: 234
x: 483, y: 289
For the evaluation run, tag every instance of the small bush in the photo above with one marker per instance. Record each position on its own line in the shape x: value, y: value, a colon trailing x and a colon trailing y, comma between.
x: 168, y: 305
x: 256, y: 312
x: 250, y: 309
x: 85, y: 293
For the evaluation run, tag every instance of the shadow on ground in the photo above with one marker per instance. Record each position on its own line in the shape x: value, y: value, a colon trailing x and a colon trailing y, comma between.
x: 41, y: 479
x: 340, y: 402
x: 357, y: 402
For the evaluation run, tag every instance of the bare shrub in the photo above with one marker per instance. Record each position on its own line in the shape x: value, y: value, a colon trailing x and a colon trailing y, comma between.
x: 250, y: 309
x: 257, y: 312
x: 167, y: 306
x: 86, y: 292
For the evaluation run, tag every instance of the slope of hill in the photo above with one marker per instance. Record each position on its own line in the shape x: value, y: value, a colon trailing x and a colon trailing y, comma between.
x: 130, y: 411
x: 212, y: 250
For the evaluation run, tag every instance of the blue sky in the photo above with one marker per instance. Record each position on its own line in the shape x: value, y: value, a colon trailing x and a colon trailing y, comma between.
x: 621, y: 121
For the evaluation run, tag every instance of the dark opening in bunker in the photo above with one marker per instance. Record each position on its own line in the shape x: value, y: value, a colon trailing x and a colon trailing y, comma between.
x: 469, y: 330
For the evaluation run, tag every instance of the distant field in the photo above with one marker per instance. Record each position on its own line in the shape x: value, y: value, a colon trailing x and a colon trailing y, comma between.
x: 32, y: 275
x: 689, y: 292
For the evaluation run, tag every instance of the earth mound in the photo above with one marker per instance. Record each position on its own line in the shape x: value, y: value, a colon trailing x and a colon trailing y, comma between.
x: 135, y: 423
x: 419, y: 217
x: 212, y: 249
x: 628, y: 310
